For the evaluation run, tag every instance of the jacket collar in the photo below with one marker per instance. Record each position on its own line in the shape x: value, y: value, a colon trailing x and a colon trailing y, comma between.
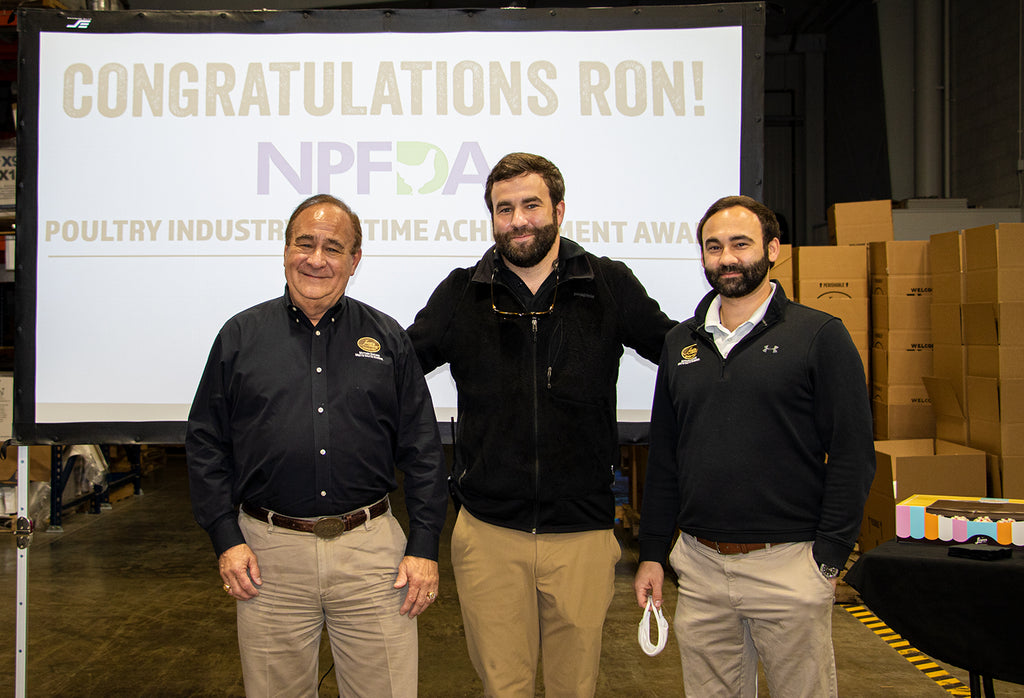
x: 572, y: 262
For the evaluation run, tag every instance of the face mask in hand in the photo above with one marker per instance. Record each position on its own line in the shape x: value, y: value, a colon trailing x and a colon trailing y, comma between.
x: 644, y: 632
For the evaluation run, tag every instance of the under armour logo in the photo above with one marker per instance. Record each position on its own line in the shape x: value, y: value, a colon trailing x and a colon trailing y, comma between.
x: 773, y: 349
x: 79, y: 23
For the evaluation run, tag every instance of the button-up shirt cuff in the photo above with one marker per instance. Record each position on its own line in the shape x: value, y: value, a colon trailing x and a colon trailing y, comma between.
x: 422, y: 544
x: 226, y: 534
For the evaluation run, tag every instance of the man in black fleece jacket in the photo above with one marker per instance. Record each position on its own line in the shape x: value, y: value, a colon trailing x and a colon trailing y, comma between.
x: 762, y: 456
x: 533, y: 334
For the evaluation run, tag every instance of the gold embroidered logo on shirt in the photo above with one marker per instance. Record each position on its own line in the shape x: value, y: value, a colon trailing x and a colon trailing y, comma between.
x: 689, y: 355
x: 368, y: 344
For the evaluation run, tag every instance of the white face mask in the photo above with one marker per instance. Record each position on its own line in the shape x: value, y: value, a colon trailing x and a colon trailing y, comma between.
x: 644, y: 632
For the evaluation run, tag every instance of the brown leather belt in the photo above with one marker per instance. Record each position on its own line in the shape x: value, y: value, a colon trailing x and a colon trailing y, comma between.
x: 324, y: 526
x: 733, y: 548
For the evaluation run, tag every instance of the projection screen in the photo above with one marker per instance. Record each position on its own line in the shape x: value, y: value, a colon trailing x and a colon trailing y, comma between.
x: 160, y: 154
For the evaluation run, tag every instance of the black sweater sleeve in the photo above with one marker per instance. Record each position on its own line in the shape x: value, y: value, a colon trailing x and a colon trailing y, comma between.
x: 660, y: 505
x: 642, y: 321
x: 430, y: 327
x: 843, y: 421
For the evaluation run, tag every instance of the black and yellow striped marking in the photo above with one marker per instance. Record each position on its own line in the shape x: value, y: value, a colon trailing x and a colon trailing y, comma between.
x: 929, y: 668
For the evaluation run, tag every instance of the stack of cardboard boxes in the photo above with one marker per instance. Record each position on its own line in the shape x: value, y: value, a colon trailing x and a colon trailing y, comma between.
x: 993, y: 330
x: 977, y: 385
x: 909, y: 460
x: 901, y: 339
x: 947, y: 385
x: 834, y: 278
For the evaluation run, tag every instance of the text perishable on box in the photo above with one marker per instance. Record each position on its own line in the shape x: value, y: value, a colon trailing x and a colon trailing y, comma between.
x: 945, y: 519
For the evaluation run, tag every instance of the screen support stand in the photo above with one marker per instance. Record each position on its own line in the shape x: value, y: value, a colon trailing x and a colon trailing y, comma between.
x: 23, y: 532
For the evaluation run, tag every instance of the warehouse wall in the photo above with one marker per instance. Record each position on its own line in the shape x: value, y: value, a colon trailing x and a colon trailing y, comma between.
x: 985, y: 89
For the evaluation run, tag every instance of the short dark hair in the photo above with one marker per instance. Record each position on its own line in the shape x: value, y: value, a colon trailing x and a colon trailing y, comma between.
x: 317, y: 200
x: 516, y: 164
x: 769, y: 223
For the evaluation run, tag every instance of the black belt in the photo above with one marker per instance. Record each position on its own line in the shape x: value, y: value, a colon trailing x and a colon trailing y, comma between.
x: 324, y: 526
x: 733, y: 548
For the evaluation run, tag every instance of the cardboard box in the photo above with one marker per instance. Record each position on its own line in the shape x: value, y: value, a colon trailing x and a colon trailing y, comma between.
x: 901, y: 285
x: 993, y: 285
x: 991, y: 246
x: 945, y: 252
x: 949, y: 287
x: 902, y: 340
x: 996, y: 400
x: 1001, y: 438
x: 39, y: 465
x: 900, y: 367
x: 901, y: 394
x: 946, y: 323
x: 995, y: 361
x: 901, y: 312
x: 915, y: 522
x: 897, y: 258
x: 993, y: 323
x: 951, y: 422
x: 1011, y: 474
x: 827, y: 289
x: 830, y: 262
x: 860, y: 222
x: 994, y: 475
x: 852, y: 311
x: 8, y: 175
x: 905, y: 467
x: 784, y: 262
x: 6, y: 405
x: 902, y: 412
x: 949, y: 362
x: 979, y: 323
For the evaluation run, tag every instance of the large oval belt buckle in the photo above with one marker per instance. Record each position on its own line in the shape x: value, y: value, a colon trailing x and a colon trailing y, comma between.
x: 329, y: 527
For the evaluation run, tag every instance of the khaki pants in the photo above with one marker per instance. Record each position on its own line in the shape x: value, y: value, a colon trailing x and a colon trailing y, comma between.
x: 347, y: 583
x: 732, y: 609
x: 521, y: 593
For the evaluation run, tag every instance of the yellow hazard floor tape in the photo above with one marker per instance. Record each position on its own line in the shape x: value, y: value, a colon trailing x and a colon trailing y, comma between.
x: 929, y: 668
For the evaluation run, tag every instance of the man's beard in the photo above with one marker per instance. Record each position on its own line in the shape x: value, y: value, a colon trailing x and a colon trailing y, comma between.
x: 751, y: 276
x: 530, y: 254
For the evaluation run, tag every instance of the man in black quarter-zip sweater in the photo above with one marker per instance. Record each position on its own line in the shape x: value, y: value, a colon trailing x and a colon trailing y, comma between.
x: 533, y: 334
x: 762, y: 455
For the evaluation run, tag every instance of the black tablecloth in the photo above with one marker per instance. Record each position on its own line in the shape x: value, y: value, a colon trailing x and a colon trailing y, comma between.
x: 968, y: 613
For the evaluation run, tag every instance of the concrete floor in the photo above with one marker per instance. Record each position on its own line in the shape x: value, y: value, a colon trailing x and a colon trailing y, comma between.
x: 128, y: 603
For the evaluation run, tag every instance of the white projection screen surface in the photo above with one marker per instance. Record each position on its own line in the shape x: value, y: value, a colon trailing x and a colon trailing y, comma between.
x: 161, y: 153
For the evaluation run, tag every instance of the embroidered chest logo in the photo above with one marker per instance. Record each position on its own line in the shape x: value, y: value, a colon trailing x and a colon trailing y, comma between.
x: 370, y: 348
x: 770, y: 349
x: 689, y: 355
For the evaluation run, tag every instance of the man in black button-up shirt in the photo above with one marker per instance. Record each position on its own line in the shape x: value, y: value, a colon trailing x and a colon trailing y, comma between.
x: 307, y: 405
